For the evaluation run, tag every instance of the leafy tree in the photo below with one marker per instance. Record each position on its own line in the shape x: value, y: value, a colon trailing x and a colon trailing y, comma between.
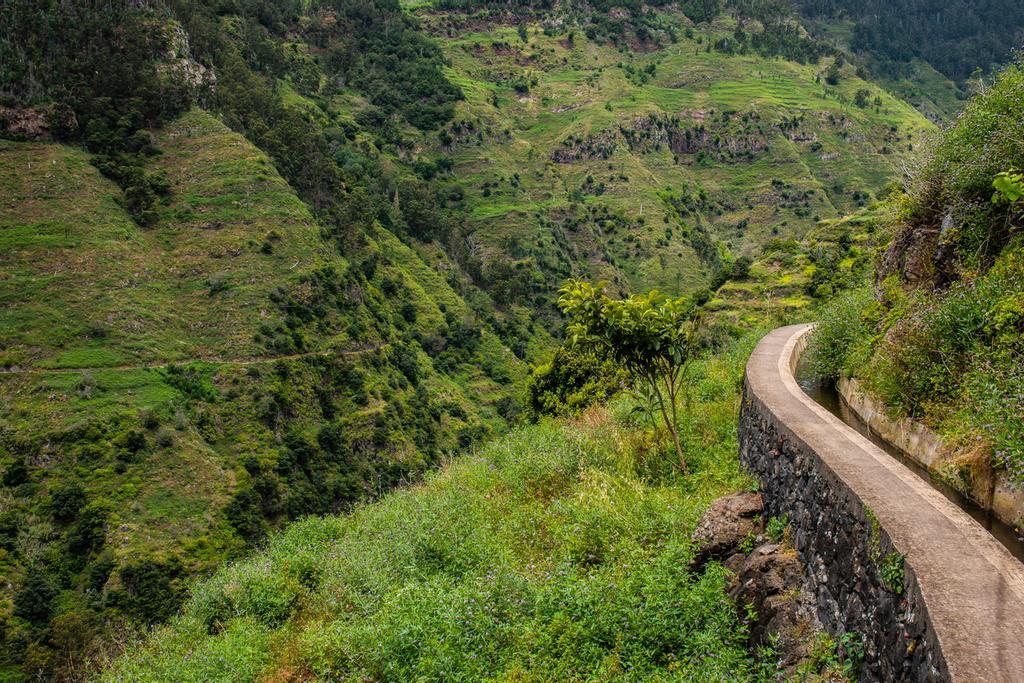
x: 653, y: 337
x: 243, y: 513
x: 89, y: 533
x: 832, y: 75
x: 34, y: 602
x: 741, y: 268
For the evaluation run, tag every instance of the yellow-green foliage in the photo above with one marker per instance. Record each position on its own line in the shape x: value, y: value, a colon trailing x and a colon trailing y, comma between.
x: 576, y: 175
x: 558, y: 552
x: 86, y: 287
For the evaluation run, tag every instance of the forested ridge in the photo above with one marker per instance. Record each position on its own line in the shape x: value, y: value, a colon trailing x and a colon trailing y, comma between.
x: 955, y: 37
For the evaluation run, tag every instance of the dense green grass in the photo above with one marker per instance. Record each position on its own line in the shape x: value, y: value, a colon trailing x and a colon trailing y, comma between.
x: 558, y: 552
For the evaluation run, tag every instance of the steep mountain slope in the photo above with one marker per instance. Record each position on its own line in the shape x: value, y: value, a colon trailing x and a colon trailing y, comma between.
x: 956, y: 38
x: 267, y: 260
x: 169, y: 391
x: 933, y: 54
x: 656, y: 167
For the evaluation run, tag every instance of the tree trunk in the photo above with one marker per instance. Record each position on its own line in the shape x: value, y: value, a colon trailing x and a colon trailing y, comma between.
x: 675, y: 428
x: 670, y: 422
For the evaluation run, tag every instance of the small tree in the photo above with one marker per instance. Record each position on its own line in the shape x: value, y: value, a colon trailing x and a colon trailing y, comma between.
x: 653, y: 337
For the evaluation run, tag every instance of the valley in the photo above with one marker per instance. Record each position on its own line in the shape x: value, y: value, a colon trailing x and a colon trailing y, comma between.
x: 281, y: 297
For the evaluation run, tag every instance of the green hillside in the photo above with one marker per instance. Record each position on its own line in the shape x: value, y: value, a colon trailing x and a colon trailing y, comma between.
x: 186, y: 289
x: 557, y: 552
x: 262, y: 261
x: 157, y: 384
x: 656, y: 167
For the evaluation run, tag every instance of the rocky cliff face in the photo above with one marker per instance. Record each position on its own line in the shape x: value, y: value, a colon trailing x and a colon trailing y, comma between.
x: 922, y: 255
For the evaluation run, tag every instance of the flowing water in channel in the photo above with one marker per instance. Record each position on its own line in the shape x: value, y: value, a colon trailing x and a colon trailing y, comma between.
x: 826, y: 395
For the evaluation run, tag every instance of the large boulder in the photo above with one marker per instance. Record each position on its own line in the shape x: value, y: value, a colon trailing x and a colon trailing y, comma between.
x: 726, y: 525
x: 767, y: 592
x: 766, y: 580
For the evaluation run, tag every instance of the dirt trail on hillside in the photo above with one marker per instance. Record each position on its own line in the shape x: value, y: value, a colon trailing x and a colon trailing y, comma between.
x: 243, y: 361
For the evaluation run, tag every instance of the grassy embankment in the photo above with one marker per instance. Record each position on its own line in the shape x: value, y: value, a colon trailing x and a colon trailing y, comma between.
x: 939, y: 338
x: 557, y: 552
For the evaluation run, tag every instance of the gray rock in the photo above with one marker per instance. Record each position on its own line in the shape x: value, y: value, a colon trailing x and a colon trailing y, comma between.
x: 727, y: 523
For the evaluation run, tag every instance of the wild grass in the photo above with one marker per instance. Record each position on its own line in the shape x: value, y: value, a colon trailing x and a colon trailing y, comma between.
x: 558, y: 552
x: 951, y: 358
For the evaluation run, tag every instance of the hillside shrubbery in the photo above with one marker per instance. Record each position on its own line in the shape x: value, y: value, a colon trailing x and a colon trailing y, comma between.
x: 556, y: 553
x: 950, y: 349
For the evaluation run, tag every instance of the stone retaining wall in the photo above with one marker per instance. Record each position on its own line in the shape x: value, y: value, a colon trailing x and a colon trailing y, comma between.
x: 933, y: 596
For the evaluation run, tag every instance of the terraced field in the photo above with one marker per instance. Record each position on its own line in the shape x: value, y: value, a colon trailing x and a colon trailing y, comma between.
x: 580, y: 158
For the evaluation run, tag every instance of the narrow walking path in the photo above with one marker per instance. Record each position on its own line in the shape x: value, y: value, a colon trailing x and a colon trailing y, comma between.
x: 971, y: 586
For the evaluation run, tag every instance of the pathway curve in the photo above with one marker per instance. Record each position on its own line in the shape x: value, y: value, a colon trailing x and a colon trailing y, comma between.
x: 972, y: 587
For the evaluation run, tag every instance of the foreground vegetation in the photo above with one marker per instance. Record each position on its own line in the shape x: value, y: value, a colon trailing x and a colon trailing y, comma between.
x: 559, y: 552
x: 941, y: 336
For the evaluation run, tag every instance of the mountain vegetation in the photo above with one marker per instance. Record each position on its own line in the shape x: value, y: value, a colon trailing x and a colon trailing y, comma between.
x: 932, y: 54
x: 956, y: 38
x: 556, y: 552
x: 262, y: 262
x: 938, y: 334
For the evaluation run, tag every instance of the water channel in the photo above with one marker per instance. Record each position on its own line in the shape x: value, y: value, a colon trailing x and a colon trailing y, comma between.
x: 825, y: 394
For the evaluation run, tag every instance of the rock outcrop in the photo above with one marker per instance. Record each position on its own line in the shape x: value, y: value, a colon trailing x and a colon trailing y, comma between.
x: 725, y: 526
x: 766, y: 578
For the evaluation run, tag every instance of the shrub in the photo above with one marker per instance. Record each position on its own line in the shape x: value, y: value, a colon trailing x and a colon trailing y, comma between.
x: 66, y: 500
x: 843, y: 336
x: 34, y: 600
x: 151, y: 590
x: 572, y: 380
x: 16, y: 473
x: 243, y: 513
